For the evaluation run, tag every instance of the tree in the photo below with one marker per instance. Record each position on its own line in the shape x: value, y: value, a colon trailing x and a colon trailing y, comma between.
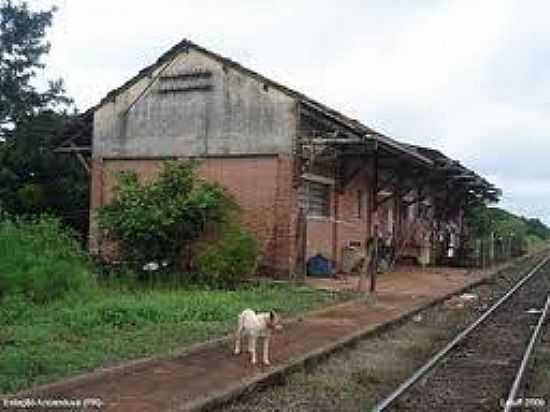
x: 33, y: 179
x: 485, y: 221
x: 536, y: 228
x: 22, y: 46
x: 479, y: 220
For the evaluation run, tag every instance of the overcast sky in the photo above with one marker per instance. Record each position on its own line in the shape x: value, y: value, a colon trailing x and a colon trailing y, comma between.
x: 471, y: 78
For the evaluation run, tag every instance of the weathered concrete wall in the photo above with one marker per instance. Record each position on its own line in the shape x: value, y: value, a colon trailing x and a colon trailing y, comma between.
x: 195, y: 106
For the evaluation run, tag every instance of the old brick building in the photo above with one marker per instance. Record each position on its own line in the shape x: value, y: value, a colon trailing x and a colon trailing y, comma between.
x: 309, y: 179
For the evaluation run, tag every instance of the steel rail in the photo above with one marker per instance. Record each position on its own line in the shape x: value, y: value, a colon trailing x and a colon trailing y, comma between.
x: 526, y: 356
x: 443, y: 352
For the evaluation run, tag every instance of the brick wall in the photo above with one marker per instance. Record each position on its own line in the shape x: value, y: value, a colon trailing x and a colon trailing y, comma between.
x: 346, y: 223
x: 261, y: 185
x: 282, y: 251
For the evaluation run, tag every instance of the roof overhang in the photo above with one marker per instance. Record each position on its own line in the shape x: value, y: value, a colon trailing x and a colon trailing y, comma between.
x: 360, y: 139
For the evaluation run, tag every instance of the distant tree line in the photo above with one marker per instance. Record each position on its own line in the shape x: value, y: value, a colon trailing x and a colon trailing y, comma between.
x: 484, y: 221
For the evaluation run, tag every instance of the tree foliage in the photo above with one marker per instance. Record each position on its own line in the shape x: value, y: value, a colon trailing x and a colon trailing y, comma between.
x: 154, y: 221
x: 479, y: 221
x: 226, y: 261
x: 22, y: 47
x: 33, y: 179
x: 484, y: 221
x: 536, y: 228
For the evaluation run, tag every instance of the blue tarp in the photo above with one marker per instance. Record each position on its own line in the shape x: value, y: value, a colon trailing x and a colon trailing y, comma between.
x: 319, y: 266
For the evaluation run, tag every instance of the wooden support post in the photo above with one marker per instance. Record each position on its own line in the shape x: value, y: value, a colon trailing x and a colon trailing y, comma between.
x: 336, y: 212
x: 374, y: 266
x: 397, y: 223
x: 301, y: 245
x: 367, y: 249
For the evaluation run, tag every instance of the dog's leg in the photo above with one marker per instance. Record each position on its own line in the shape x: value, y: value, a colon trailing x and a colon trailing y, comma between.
x: 253, y: 347
x: 249, y: 344
x: 238, y: 339
x: 266, y: 351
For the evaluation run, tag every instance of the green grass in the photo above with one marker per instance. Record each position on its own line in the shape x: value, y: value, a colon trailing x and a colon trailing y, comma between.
x: 41, y: 343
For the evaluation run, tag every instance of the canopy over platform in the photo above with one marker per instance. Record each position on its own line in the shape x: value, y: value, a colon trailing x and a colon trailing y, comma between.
x: 347, y: 147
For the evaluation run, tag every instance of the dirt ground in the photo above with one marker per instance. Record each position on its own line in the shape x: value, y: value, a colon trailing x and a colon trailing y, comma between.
x: 411, y: 280
x: 355, y: 379
x: 171, y: 384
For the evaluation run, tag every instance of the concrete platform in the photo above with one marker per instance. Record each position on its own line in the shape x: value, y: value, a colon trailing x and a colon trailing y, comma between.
x: 210, y: 373
x: 405, y: 279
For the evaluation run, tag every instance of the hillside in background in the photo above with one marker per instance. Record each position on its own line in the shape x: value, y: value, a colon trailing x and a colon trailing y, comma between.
x: 505, y: 223
x: 530, y: 226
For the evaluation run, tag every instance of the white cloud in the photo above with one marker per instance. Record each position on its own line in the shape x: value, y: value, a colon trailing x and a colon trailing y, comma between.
x: 528, y: 197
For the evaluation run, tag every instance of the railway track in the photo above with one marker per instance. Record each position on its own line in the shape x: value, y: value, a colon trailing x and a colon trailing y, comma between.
x: 484, y: 367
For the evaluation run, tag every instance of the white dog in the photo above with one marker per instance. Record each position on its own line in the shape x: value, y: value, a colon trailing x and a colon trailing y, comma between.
x: 256, y: 325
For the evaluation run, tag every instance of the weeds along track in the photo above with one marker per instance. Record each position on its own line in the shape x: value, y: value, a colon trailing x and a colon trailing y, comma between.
x: 476, y: 371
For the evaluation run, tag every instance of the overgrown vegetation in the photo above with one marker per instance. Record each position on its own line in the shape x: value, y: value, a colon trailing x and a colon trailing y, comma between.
x: 225, y: 261
x: 42, y: 261
x: 158, y: 220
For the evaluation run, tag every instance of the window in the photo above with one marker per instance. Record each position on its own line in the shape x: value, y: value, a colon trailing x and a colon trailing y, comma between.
x: 314, y: 198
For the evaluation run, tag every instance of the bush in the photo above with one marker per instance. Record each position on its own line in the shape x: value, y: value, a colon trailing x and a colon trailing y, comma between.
x: 155, y: 221
x: 41, y: 260
x: 225, y: 262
